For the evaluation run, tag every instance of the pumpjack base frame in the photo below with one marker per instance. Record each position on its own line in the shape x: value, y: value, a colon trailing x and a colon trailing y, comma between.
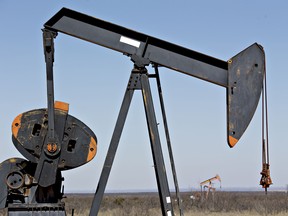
x: 45, y: 209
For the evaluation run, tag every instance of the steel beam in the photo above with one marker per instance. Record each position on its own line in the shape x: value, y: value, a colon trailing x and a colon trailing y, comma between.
x: 131, y: 42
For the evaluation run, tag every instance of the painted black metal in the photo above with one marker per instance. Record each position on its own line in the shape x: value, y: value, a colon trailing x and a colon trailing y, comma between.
x: 138, y: 81
x: 46, y: 167
x: 168, y: 140
x: 54, y: 25
x: 5, y: 168
x: 20, y: 191
x: 159, y: 165
x: 134, y: 83
x: 157, y: 51
x: 23, y: 190
x: 48, y: 44
x: 45, y: 209
x: 245, y: 77
x: 241, y: 77
x: 30, y: 145
x: 145, y: 49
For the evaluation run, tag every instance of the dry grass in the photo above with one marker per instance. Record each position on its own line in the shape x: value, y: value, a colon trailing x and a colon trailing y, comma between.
x: 223, y: 204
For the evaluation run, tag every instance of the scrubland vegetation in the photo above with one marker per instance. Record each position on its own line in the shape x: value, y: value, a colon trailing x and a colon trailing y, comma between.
x: 222, y: 203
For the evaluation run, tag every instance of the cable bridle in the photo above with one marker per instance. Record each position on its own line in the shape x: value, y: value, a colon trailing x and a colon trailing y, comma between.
x: 265, y: 180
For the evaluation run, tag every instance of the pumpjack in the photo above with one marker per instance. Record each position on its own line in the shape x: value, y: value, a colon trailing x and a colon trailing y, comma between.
x: 208, y: 184
x: 52, y: 141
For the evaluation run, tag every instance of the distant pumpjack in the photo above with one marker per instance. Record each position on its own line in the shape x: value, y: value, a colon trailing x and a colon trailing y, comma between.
x: 209, y: 185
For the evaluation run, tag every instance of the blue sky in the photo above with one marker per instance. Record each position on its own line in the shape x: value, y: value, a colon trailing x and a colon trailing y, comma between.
x: 92, y: 79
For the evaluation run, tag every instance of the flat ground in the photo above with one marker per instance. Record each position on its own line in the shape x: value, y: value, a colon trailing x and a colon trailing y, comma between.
x: 221, y: 203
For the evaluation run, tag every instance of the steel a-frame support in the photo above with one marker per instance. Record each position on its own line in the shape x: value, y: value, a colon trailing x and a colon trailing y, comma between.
x: 139, y: 80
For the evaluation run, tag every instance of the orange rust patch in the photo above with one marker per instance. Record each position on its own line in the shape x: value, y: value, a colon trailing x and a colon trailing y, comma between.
x: 92, y: 149
x: 16, y: 125
x: 232, y: 141
x: 61, y: 106
x: 52, y: 147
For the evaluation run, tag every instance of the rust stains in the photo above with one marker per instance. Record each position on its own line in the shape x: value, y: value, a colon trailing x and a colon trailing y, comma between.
x: 232, y: 141
x: 16, y: 125
x: 61, y: 106
x: 92, y: 149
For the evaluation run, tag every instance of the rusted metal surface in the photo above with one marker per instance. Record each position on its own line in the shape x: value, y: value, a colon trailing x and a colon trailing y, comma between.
x: 78, y: 143
x: 265, y: 180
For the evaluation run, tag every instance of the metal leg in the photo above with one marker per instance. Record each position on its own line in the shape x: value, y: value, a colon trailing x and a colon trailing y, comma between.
x: 138, y: 80
x: 168, y: 140
x: 113, y: 146
x: 160, y: 171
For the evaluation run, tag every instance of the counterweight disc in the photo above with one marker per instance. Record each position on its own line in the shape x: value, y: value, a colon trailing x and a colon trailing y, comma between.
x: 78, y: 143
